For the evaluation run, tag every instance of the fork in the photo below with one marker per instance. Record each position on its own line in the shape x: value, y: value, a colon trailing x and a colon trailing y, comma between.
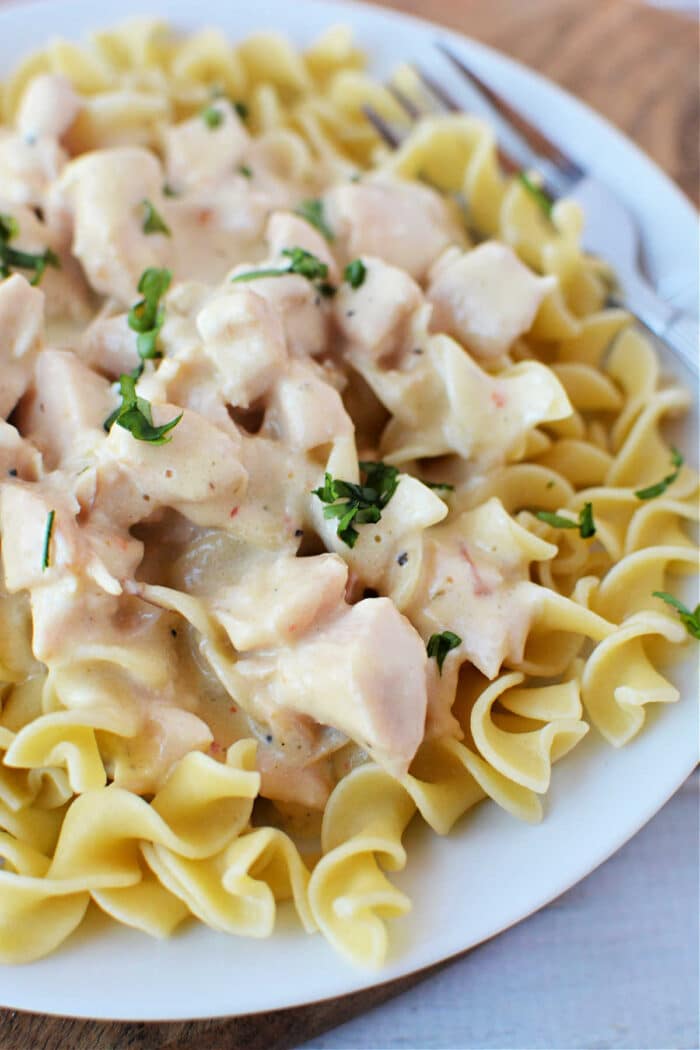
x: 610, y: 231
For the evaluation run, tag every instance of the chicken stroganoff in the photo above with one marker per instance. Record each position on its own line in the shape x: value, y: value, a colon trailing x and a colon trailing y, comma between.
x: 330, y: 490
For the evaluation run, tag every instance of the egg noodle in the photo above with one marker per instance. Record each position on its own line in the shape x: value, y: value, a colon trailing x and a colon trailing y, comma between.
x: 331, y: 492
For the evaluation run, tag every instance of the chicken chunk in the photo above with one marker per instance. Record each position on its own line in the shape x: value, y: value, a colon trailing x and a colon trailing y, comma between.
x: 198, y: 472
x: 22, y: 326
x: 375, y: 318
x: 285, y: 231
x: 304, y: 411
x: 203, y: 150
x: 244, y: 338
x: 362, y: 672
x: 65, y: 409
x: 486, y: 298
x: 279, y: 602
x: 105, y: 191
x: 405, y: 224
x: 48, y: 107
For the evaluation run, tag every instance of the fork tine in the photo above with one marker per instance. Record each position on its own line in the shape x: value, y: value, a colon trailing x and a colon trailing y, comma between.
x: 381, y: 126
x: 406, y: 103
x: 537, y: 141
x: 507, y: 163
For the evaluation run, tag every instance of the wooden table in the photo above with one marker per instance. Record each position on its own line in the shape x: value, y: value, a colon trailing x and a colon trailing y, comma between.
x: 636, y: 65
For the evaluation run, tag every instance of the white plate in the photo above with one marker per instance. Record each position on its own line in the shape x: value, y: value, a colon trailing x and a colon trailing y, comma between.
x: 491, y: 871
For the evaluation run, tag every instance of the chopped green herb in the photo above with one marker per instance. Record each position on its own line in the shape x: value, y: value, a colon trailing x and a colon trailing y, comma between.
x: 537, y: 193
x: 147, y: 316
x: 241, y: 109
x: 584, y: 524
x: 168, y: 191
x: 302, y: 263
x: 243, y: 169
x: 359, y: 504
x: 355, y: 273
x: 47, y: 540
x: 312, y: 211
x: 134, y: 415
x: 13, y: 257
x: 690, y: 620
x: 439, y: 485
x: 152, y: 221
x: 439, y: 645
x: 212, y: 116
x: 652, y: 491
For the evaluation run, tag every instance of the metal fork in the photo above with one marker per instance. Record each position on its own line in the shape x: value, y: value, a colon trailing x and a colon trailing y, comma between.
x: 610, y: 231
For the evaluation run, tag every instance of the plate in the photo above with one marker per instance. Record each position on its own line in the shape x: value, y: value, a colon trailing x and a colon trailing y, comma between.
x: 491, y: 871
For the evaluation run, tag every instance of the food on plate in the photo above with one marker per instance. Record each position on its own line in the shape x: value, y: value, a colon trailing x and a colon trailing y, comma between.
x: 331, y: 492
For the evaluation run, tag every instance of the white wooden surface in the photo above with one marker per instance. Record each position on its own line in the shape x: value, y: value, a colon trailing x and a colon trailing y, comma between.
x: 611, y: 964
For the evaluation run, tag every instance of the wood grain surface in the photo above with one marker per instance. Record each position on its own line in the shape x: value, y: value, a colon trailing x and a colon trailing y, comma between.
x: 639, y: 67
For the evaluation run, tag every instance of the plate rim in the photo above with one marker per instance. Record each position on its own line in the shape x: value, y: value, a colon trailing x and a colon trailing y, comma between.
x: 362, y: 980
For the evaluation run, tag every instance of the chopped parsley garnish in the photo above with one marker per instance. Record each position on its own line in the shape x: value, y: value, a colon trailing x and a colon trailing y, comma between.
x: 134, y: 415
x: 439, y: 485
x: 312, y: 211
x: 652, y: 491
x: 355, y: 273
x: 690, y: 620
x: 584, y: 524
x: 47, y: 540
x: 301, y: 262
x: 152, y: 221
x: 360, y: 504
x: 14, y: 258
x: 439, y: 645
x: 168, y: 191
x: 543, y: 199
x: 212, y: 117
x: 243, y: 169
x: 241, y: 109
x: 147, y: 316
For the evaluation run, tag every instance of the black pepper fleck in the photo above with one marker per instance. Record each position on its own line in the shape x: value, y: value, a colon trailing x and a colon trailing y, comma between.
x: 349, y: 313
x: 173, y: 632
x: 298, y: 532
x: 417, y: 350
x: 269, y: 738
x: 402, y: 558
x: 12, y: 473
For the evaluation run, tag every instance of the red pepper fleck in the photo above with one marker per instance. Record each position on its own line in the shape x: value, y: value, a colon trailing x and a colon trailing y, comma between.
x: 480, y: 588
x: 498, y: 398
x: 234, y: 512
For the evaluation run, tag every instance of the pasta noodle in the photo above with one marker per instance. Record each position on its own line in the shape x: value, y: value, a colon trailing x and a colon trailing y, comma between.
x: 331, y: 491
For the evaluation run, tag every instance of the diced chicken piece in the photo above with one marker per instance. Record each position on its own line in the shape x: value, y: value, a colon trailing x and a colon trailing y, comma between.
x: 300, y: 306
x: 18, y: 458
x: 375, y: 318
x: 198, y: 151
x: 304, y: 411
x: 198, y: 472
x: 476, y: 583
x: 285, y: 231
x: 105, y: 191
x: 363, y: 673
x: 485, y: 298
x: 191, y: 381
x: 109, y: 346
x: 168, y: 733
x: 28, y: 168
x: 21, y: 325
x: 405, y: 224
x: 65, y: 409
x: 279, y: 602
x: 244, y: 338
x: 308, y: 786
x: 48, y: 107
